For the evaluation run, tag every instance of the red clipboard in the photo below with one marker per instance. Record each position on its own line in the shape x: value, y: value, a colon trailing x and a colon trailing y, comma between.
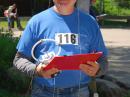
x: 72, y: 62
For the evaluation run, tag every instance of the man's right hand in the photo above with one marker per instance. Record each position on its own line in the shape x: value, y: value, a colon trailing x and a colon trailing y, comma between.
x: 45, y: 73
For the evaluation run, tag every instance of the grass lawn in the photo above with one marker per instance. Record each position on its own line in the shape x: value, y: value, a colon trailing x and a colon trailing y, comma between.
x: 111, y: 23
x: 4, y: 24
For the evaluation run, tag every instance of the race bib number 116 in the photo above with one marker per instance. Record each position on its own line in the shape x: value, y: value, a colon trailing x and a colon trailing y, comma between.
x: 67, y: 38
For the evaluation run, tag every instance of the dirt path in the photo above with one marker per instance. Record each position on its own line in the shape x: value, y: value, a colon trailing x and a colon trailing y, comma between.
x: 116, y: 37
x: 16, y: 32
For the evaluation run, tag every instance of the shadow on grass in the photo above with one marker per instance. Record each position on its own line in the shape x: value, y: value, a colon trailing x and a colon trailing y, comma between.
x: 119, y: 53
x: 119, y: 64
x: 114, y: 24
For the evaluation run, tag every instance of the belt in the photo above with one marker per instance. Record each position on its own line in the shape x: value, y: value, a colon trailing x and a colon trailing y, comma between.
x: 64, y: 90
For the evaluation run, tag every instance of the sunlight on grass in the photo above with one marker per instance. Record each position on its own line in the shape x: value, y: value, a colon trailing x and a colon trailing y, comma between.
x: 23, y: 23
x: 4, y: 24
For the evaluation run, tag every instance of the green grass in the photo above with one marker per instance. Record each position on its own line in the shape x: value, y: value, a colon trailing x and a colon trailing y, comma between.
x: 4, y: 24
x: 111, y: 23
x: 23, y: 23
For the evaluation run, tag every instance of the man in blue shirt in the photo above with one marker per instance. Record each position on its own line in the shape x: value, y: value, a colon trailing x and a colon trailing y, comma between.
x: 77, y: 33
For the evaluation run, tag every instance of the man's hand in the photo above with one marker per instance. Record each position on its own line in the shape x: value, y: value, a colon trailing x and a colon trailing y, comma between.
x: 46, y: 73
x: 90, y: 68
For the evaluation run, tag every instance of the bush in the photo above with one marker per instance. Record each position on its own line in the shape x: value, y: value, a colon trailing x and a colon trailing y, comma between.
x: 7, y: 48
x: 114, y: 7
x: 10, y: 79
x: 123, y: 3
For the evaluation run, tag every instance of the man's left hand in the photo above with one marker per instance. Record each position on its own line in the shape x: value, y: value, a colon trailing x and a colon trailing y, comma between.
x: 90, y: 68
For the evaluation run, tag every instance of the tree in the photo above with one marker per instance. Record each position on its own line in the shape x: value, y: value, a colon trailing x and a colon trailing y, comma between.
x: 123, y: 3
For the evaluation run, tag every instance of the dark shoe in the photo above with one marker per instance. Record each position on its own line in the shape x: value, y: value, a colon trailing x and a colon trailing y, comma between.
x: 20, y: 28
x: 9, y: 29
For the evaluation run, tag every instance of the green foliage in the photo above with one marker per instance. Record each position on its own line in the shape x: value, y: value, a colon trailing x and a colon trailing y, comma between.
x: 114, y: 7
x: 123, y: 3
x: 40, y: 5
x: 7, y: 48
x: 128, y: 94
x: 1, y: 10
x: 4, y: 93
x: 10, y: 79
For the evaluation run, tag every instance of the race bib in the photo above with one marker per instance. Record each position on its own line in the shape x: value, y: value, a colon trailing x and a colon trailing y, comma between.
x: 67, y: 38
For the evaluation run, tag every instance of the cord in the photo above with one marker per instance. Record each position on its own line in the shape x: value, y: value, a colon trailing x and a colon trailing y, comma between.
x: 78, y: 20
x: 54, y: 87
